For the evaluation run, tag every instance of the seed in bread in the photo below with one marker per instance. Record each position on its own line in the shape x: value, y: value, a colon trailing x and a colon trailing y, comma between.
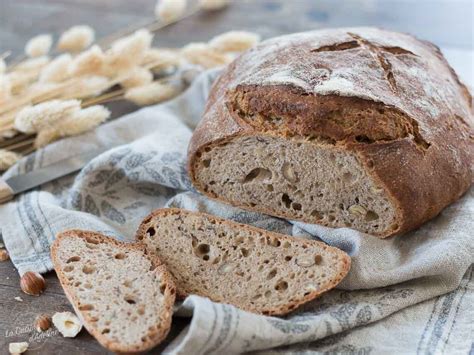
x: 123, y: 296
x: 228, y: 262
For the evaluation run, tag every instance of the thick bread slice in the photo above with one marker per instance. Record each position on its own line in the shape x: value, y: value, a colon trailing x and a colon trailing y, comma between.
x: 124, y: 296
x: 253, y: 269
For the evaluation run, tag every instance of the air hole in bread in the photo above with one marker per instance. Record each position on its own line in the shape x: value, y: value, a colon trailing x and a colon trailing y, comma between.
x: 286, y: 200
x: 296, y: 206
x: 318, y: 259
x: 269, y: 187
x: 268, y: 294
x: 258, y: 174
x: 286, y: 244
x: 91, y: 245
x: 130, y: 300
x: 88, y: 269
x: 202, y: 251
x: 288, y: 258
x: 281, y: 286
x: 245, y: 252
x: 272, y: 274
x: 91, y: 240
x: 162, y: 288
x: 68, y: 268
x: 206, y: 163
x: 120, y: 256
x: 151, y: 231
x: 273, y: 242
x: 371, y: 216
x: 105, y: 331
x: 73, y: 259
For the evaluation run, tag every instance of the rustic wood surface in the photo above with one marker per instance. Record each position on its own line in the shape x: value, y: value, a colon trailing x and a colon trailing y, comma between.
x: 448, y: 23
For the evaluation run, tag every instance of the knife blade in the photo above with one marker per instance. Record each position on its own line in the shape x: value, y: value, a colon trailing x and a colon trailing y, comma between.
x: 24, y: 182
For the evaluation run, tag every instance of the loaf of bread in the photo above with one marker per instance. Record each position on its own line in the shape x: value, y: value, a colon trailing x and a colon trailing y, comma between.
x: 353, y: 127
x: 123, y: 296
x: 228, y: 262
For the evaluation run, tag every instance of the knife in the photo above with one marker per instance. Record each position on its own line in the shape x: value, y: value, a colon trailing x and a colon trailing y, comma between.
x: 21, y: 183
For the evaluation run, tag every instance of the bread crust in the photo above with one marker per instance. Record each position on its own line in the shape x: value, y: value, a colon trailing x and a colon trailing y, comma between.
x: 387, y: 97
x: 153, y: 337
x: 344, y: 265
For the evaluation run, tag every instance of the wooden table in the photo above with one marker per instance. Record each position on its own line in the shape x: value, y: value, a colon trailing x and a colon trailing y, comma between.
x: 448, y: 23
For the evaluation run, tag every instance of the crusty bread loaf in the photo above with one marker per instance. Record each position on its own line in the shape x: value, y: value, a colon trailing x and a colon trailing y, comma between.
x: 228, y: 262
x: 123, y: 296
x: 351, y: 127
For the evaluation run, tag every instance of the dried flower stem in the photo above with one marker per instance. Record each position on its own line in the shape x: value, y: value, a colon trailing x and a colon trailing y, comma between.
x: 6, y: 128
x: 20, y: 144
x: 37, y: 97
x: 21, y: 137
x: 150, y: 26
x: 103, y: 98
x: 28, y: 150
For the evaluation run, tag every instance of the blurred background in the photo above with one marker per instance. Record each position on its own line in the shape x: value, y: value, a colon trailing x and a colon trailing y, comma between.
x: 447, y: 23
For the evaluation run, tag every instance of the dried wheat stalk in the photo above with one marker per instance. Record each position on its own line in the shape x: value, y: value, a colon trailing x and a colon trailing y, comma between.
x: 45, y: 98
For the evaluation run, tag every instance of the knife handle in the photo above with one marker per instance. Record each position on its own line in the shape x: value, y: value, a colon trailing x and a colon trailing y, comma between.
x: 6, y: 193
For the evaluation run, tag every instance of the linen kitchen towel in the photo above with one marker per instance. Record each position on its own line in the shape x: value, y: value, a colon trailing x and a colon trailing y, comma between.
x: 407, y: 294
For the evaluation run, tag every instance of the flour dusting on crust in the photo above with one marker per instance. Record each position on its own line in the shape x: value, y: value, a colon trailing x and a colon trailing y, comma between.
x: 378, y: 65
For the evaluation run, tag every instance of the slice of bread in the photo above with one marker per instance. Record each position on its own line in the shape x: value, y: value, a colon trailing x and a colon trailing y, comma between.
x: 123, y: 296
x: 253, y: 269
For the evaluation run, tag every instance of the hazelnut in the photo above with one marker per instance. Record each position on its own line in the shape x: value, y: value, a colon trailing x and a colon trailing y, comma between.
x: 357, y: 210
x: 225, y: 268
x: 67, y: 323
x: 288, y: 173
x: 42, y: 322
x: 4, y: 255
x: 18, y: 348
x: 32, y: 283
x: 305, y: 261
